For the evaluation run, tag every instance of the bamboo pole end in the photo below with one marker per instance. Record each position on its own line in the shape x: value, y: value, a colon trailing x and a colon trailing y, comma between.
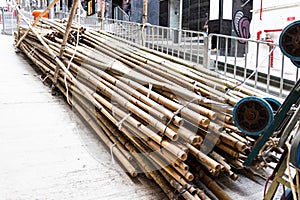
x: 205, y: 122
x: 133, y: 173
x: 189, y: 177
x: 175, y: 137
x: 212, y: 116
x: 183, y: 156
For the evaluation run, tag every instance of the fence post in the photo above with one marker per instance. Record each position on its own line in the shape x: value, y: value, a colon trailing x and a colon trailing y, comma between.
x: 51, y: 11
x: 3, y: 20
x: 143, y: 35
x: 206, y: 51
x: 103, y: 14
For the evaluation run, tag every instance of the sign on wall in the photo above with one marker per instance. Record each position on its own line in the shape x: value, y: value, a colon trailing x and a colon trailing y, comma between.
x: 214, y: 10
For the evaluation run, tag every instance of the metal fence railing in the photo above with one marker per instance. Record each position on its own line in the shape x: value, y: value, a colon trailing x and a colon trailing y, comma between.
x: 261, y: 64
x: 257, y: 63
x: 120, y: 14
x: 185, y: 44
x: 127, y: 30
x: 9, y: 20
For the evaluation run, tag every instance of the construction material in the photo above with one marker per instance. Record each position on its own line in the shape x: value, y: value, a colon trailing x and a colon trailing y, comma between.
x: 157, y: 114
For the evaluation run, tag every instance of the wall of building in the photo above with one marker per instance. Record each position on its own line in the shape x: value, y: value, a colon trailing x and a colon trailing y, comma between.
x: 276, y: 14
x: 273, y: 16
x: 195, y: 13
x: 241, y: 20
x: 137, y: 11
x: 164, y: 13
x: 174, y: 14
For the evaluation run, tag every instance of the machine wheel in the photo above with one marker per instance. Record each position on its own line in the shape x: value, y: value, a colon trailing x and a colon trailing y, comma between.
x: 289, y: 41
x: 296, y: 63
x: 275, y: 104
x: 252, y: 115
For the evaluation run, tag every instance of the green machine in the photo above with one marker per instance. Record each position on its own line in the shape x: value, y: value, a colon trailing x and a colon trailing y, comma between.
x: 255, y: 117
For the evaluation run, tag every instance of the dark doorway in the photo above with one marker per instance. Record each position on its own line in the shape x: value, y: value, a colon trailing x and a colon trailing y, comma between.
x: 116, y: 3
x: 164, y: 13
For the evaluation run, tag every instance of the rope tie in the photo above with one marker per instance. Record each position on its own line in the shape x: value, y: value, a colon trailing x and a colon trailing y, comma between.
x: 182, y: 190
x: 172, y: 118
x: 119, y: 124
x: 31, y: 52
x: 44, y: 79
x: 111, y: 153
x: 149, y: 91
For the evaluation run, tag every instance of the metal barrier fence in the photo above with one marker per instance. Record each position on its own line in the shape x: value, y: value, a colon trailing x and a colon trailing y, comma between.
x: 120, y: 14
x: 127, y: 30
x: 185, y: 44
x: 261, y: 65
x: 257, y: 63
x: 8, y: 20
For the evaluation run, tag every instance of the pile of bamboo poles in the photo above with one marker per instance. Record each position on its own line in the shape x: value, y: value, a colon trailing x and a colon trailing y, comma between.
x: 158, y: 114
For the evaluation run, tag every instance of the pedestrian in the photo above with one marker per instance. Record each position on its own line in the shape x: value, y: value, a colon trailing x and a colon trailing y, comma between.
x: 205, y: 27
x: 127, y: 7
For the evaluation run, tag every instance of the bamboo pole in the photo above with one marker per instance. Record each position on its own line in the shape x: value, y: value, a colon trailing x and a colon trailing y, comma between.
x: 204, y: 158
x: 136, y: 138
x: 213, y: 186
x: 36, y: 20
x: 65, y: 38
x: 59, y: 61
x: 127, y: 165
x: 145, y: 11
x: 227, y: 167
x: 18, y: 19
x: 169, y: 115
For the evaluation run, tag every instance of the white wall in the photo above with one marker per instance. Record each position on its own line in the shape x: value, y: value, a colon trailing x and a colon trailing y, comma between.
x: 174, y: 14
x: 275, y: 14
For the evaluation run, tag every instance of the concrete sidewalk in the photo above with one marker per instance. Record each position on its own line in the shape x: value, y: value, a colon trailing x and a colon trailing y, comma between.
x: 46, y: 151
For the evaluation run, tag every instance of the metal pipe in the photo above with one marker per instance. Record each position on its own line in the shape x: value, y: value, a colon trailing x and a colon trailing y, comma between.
x: 3, y: 20
x: 256, y: 65
x: 246, y: 59
x: 184, y: 43
x: 162, y: 40
x: 168, y: 35
x: 191, y: 47
x: 217, y: 54
x: 198, y: 48
x: 281, y: 77
x: 226, y: 55
x: 157, y: 35
x: 152, y: 33
x: 51, y: 11
x: 18, y: 19
x: 235, y: 56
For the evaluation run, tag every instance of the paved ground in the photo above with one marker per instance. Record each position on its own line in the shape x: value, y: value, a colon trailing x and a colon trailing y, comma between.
x: 45, y: 151
x: 48, y: 153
